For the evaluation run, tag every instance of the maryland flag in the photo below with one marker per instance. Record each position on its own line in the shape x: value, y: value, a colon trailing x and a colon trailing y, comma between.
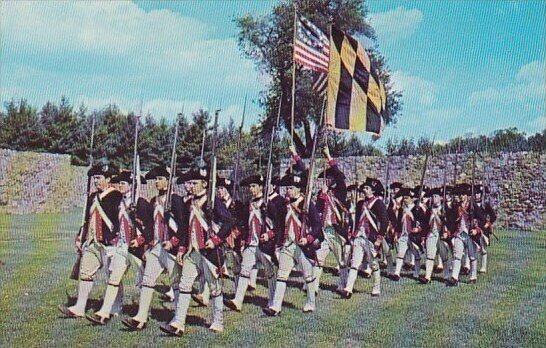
x: 356, y: 97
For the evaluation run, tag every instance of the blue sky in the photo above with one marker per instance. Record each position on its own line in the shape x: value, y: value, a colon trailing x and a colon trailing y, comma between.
x: 463, y: 66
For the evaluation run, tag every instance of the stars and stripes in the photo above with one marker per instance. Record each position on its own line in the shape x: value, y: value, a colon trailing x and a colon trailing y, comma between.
x: 312, y: 52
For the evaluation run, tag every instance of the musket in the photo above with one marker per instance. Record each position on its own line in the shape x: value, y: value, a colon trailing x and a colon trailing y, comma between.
x: 201, y: 158
x: 309, y: 188
x: 211, y: 194
x: 269, y: 168
x: 472, y: 192
x: 485, y: 196
x: 425, y: 169
x: 75, y: 273
x: 355, y: 194
x: 235, y: 193
x: 212, y: 178
x: 457, y: 150
x: 385, y: 195
x: 172, y: 168
x: 444, y: 184
x: 135, y: 160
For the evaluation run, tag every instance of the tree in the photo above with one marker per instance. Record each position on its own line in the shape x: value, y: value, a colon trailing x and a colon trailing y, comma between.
x: 58, y: 124
x: 21, y: 127
x: 267, y: 40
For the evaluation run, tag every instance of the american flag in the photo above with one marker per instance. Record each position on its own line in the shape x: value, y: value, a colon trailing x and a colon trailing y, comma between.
x: 312, y: 51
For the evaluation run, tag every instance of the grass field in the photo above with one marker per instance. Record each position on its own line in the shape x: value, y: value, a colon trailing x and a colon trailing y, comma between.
x: 506, y: 308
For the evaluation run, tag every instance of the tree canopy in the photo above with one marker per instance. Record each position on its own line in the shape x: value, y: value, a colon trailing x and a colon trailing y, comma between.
x: 267, y: 40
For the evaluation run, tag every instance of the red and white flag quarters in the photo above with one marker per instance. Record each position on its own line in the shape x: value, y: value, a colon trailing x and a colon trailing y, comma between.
x: 312, y: 51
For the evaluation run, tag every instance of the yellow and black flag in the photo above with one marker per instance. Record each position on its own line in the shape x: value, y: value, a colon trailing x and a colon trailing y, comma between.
x: 356, y: 96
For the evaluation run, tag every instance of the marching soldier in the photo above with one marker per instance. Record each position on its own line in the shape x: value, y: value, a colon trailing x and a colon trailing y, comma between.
x: 465, y: 228
x: 233, y: 243
x: 367, y: 239
x: 446, y: 239
x: 163, y: 239
x: 300, y: 241
x: 486, y: 224
x: 388, y: 241
x: 406, y: 230
x: 435, y: 226
x: 331, y: 206
x: 129, y: 248
x: 418, y: 239
x: 200, y: 252
x: 99, y: 236
x: 259, y: 239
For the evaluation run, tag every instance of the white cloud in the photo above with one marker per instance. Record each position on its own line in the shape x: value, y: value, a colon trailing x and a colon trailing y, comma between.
x: 100, y: 52
x: 417, y: 91
x: 529, y: 90
x: 113, y: 28
x: 397, y: 24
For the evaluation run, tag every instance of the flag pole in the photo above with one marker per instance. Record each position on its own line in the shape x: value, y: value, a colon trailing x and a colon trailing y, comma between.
x: 293, y: 77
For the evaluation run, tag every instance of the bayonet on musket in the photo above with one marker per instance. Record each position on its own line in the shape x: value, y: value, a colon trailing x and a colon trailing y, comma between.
x: 75, y: 273
x: 235, y: 193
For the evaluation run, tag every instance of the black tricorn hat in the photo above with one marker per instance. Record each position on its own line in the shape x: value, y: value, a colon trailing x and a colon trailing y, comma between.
x: 404, y: 192
x: 253, y: 179
x: 353, y: 187
x: 462, y: 189
x: 157, y: 171
x: 395, y: 185
x: 481, y: 189
x: 376, y: 186
x: 101, y: 169
x: 198, y: 173
x: 293, y: 180
x: 224, y: 182
x: 329, y: 173
x: 182, y: 176
x: 125, y: 175
x: 417, y: 188
x: 434, y: 191
x: 448, y: 190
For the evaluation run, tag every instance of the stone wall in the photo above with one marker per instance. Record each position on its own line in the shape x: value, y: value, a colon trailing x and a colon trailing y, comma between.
x: 39, y: 183
x: 517, y: 180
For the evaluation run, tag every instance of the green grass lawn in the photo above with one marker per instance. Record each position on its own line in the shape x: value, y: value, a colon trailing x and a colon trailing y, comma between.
x: 506, y: 308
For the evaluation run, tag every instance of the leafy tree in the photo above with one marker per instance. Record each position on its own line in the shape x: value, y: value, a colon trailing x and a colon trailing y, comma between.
x: 267, y: 40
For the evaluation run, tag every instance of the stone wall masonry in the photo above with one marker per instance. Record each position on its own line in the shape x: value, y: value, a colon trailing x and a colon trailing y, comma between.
x: 517, y: 180
x: 47, y: 183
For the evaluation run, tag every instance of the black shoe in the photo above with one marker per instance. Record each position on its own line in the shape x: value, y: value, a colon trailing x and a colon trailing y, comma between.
x: 346, y: 294
x: 166, y: 298
x: 133, y: 325
x: 465, y: 271
x: 270, y: 312
x: 383, y: 265
x: 438, y: 269
x: 408, y: 266
x: 424, y: 280
x: 472, y: 281
x: 251, y: 288
x: 452, y: 282
x: 366, y: 275
x: 97, y: 319
x: 171, y: 330
x: 68, y: 313
x: 395, y: 277
x: 231, y: 305
x: 199, y: 300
